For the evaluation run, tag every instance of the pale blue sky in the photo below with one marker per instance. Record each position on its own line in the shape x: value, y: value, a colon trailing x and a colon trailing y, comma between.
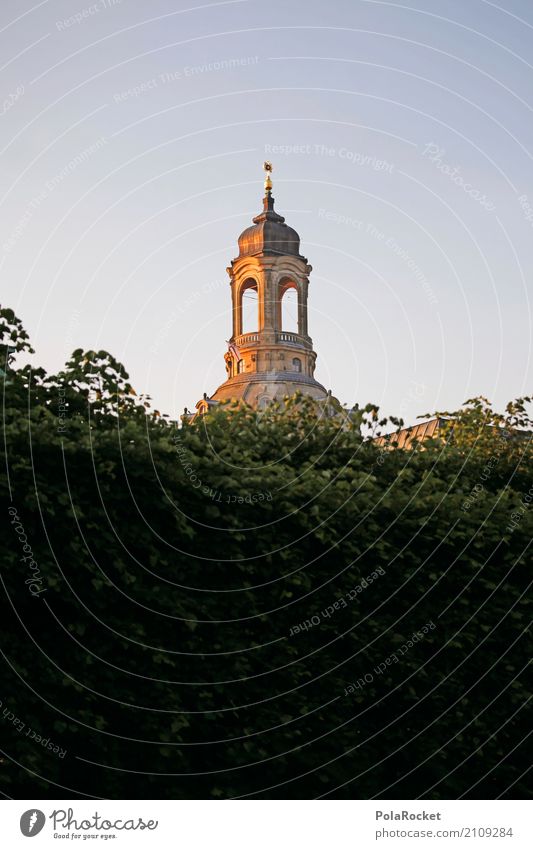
x: 129, y: 166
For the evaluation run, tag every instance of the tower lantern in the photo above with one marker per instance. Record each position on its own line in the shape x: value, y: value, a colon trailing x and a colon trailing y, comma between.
x: 266, y: 361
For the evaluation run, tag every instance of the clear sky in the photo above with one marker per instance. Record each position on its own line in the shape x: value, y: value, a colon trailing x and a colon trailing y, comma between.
x: 132, y: 137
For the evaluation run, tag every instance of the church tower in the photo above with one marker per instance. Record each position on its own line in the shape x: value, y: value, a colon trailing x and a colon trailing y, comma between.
x: 267, y: 362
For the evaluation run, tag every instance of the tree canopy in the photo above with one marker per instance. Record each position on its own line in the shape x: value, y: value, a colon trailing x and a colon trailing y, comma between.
x: 257, y: 605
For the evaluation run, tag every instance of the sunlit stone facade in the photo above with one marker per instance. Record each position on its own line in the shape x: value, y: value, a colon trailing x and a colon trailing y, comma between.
x: 268, y: 362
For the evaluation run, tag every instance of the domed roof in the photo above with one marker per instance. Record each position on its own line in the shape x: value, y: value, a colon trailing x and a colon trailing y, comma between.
x: 275, y: 385
x: 269, y: 234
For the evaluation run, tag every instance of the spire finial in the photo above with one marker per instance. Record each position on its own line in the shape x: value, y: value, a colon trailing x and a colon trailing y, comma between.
x: 268, y: 182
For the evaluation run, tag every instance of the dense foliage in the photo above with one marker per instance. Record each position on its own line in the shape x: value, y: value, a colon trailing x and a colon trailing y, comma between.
x: 226, y: 609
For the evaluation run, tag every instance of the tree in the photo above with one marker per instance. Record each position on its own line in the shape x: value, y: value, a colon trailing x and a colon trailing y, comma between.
x: 238, y: 606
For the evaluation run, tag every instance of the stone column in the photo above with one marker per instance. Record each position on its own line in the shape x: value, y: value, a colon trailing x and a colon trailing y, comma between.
x: 302, y: 307
x: 236, y: 309
x: 267, y: 300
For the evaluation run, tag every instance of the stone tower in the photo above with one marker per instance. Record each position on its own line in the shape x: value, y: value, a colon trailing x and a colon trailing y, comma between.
x: 268, y: 362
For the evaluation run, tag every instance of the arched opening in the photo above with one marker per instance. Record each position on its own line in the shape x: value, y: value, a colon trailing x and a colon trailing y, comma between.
x: 297, y: 364
x: 250, y: 307
x: 289, y: 309
x: 240, y: 366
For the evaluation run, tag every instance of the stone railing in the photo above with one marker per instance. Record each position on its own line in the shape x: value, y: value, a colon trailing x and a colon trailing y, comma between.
x: 291, y: 338
x: 246, y: 339
x: 282, y: 337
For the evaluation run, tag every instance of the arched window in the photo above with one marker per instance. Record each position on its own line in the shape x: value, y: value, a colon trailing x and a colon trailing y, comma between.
x: 240, y: 366
x: 289, y: 310
x: 250, y: 308
x: 296, y: 364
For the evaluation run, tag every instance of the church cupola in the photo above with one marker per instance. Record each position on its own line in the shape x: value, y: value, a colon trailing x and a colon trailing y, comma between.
x: 266, y: 360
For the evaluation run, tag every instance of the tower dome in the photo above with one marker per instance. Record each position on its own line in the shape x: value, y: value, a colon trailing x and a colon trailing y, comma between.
x: 269, y: 234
